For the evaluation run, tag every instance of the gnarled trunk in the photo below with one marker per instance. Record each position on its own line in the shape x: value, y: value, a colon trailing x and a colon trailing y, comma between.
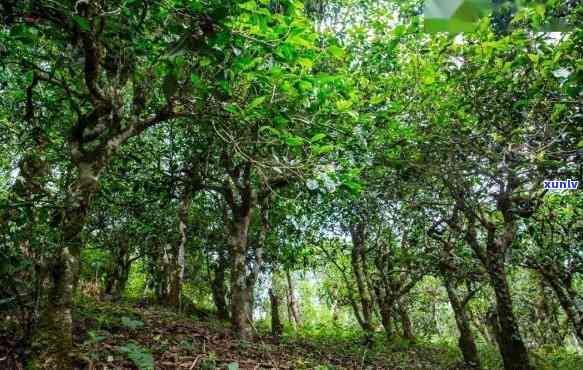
x: 54, y: 337
x: 358, y: 234
x: 512, y: 347
x: 546, y: 314
x: 385, y: 309
x: 568, y: 300
x: 387, y: 319
x: 507, y: 334
x: 466, y: 339
x: 177, y: 260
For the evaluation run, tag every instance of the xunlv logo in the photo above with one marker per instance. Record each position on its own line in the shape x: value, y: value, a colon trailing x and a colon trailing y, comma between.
x: 561, y: 184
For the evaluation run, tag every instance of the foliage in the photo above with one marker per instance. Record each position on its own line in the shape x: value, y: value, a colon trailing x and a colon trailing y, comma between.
x: 138, y: 355
x: 170, y: 166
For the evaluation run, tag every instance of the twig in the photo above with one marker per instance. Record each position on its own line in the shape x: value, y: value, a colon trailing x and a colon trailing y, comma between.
x: 194, y: 362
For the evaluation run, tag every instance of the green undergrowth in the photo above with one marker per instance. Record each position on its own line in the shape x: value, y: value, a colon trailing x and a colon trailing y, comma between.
x: 128, y: 335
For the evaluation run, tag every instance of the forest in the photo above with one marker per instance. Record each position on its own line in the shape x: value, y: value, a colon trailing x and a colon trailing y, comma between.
x: 291, y: 184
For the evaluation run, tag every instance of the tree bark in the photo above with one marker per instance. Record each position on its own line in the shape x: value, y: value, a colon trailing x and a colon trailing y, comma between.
x: 466, y: 340
x: 177, y: 260
x: 387, y: 319
x: 385, y: 309
x: 546, y: 315
x: 117, y: 280
x: 291, y: 300
x: 406, y: 323
x: 567, y: 299
x: 252, y: 276
x: 118, y: 271
x: 358, y: 235
x: 276, y: 326
x: 334, y: 308
x: 512, y: 348
x: 219, y: 289
x: 238, y: 243
x: 509, y: 339
x: 54, y: 335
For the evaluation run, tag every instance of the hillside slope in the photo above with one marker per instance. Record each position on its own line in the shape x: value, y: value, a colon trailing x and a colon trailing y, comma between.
x: 129, y: 336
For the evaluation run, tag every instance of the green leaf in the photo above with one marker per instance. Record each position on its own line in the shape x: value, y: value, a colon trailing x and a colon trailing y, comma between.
x: 377, y: 99
x: 82, y: 23
x: 233, y: 366
x: 272, y: 130
x: 305, y: 86
x: 299, y: 41
x: 293, y: 140
x: 343, y: 105
x: 323, y: 149
x: 317, y: 137
x: 231, y: 108
x: 428, y: 80
x: 249, y: 5
x: 196, y: 81
x: 305, y: 62
x: 336, y: 51
x: 256, y: 102
x: 354, y: 186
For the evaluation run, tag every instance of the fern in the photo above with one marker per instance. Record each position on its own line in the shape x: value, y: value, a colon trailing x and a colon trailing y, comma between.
x: 131, y: 323
x: 138, y: 355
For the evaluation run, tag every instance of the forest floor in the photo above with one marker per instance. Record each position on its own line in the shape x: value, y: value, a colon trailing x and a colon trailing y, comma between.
x: 128, y: 336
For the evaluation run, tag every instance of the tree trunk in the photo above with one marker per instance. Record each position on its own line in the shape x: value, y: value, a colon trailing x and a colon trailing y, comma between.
x: 276, y: 326
x: 177, y: 267
x: 117, y: 280
x: 568, y: 300
x: 546, y: 315
x: 386, y: 319
x: 291, y: 300
x: 466, y: 340
x: 250, y: 299
x: 358, y: 234
x: 238, y: 243
x: 385, y: 309
x: 218, y: 287
x: 118, y: 271
x: 290, y: 316
x: 335, y: 312
x: 251, y: 279
x: 512, y: 348
x: 253, y: 275
x: 508, y: 337
x: 334, y: 308
x: 54, y: 336
x: 482, y: 329
x: 406, y: 323
x: 159, y: 279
